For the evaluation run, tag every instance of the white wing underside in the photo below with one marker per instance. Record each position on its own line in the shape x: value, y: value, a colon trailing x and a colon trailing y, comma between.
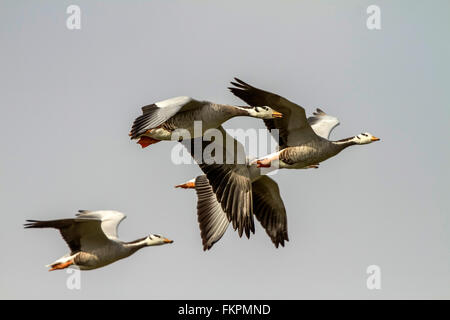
x: 110, y: 220
x: 157, y: 113
x: 323, y: 123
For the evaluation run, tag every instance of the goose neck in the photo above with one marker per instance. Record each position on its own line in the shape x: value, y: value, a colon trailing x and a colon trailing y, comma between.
x: 344, y: 143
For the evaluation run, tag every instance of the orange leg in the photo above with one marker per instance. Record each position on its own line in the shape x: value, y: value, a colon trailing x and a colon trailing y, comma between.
x: 61, y: 265
x: 146, y: 141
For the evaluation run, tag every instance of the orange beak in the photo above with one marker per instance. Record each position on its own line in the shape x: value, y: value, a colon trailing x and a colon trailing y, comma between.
x: 167, y: 240
x: 276, y: 114
x: 187, y: 185
x: 375, y: 139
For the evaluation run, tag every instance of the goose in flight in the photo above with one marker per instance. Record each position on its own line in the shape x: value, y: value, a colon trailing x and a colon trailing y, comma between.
x: 92, y: 239
x: 234, y: 192
x: 265, y: 202
x: 159, y: 120
x: 300, y: 146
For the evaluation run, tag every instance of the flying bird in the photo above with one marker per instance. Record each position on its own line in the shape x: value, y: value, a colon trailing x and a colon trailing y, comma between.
x: 235, y: 192
x: 92, y: 239
x: 160, y: 120
x: 299, y: 145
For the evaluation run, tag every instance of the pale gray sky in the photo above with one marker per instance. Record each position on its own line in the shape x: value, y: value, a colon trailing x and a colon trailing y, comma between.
x: 68, y: 99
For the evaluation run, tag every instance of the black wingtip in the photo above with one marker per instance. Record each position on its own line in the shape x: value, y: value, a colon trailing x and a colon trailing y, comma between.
x: 30, y: 224
x: 80, y: 212
x: 236, y: 84
x: 319, y: 112
x: 279, y: 242
x: 241, y: 84
x: 236, y: 91
x: 240, y: 81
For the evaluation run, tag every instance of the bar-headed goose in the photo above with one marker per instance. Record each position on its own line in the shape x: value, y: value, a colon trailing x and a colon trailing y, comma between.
x: 161, y: 119
x: 92, y: 239
x: 300, y: 146
x: 233, y: 192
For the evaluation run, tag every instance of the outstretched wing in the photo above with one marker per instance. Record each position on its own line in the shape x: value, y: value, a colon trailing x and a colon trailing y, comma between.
x: 232, y: 186
x: 156, y: 114
x: 269, y: 209
x: 228, y: 176
x: 212, y: 219
x: 322, y: 123
x: 110, y: 220
x: 293, y: 126
x: 80, y: 234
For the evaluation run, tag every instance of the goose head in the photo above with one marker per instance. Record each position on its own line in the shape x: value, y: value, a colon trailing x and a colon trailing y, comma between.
x: 365, y: 138
x: 156, y: 240
x: 263, y: 112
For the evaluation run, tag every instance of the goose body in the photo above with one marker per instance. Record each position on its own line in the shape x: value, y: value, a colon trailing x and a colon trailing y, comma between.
x: 300, y: 145
x: 310, y: 153
x: 92, y: 239
x: 161, y: 119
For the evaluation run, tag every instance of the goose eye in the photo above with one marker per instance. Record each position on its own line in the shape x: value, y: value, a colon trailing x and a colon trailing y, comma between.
x: 365, y: 135
x: 157, y: 235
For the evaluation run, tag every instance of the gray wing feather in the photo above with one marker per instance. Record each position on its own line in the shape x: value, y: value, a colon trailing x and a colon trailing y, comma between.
x: 232, y: 187
x: 293, y: 126
x: 230, y: 182
x: 212, y: 219
x: 269, y: 209
x: 79, y: 233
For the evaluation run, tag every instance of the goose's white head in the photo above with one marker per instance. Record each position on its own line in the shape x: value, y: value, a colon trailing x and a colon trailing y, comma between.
x: 156, y: 240
x: 263, y: 112
x: 365, y: 138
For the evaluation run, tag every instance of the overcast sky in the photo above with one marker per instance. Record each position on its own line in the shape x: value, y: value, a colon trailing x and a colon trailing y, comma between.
x: 68, y: 98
